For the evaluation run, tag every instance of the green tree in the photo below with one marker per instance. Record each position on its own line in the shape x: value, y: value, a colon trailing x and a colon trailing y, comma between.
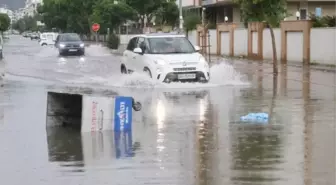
x: 190, y: 21
x: 167, y: 14
x: 269, y: 11
x: 4, y: 22
x: 111, y: 15
x: 146, y: 9
x: 53, y: 14
x: 68, y: 15
x: 26, y: 23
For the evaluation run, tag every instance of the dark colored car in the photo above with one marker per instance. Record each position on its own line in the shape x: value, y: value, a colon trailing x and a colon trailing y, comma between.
x: 34, y: 36
x: 69, y: 44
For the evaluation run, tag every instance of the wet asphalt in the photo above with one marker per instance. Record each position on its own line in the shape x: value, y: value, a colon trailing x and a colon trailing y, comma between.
x: 186, y: 134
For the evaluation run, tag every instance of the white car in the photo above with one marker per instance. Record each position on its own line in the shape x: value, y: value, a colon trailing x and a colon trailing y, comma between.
x: 165, y: 57
x: 48, y: 38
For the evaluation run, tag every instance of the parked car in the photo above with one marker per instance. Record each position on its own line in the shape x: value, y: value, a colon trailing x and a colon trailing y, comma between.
x: 47, y: 38
x: 34, y: 36
x: 1, y: 47
x: 165, y: 57
x: 69, y: 43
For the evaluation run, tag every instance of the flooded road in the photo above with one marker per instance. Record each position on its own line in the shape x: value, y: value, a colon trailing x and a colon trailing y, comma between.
x: 186, y: 134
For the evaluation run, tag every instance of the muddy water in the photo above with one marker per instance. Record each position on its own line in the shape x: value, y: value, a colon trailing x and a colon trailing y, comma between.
x: 181, y: 138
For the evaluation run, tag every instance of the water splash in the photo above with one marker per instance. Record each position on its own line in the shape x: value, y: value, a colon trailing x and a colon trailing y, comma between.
x: 46, y: 51
x: 225, y: 74
x: 222, y: 74
x: 97, y: 50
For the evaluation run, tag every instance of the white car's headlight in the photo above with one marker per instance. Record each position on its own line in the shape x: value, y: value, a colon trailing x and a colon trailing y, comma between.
x: 160, y: 62
x: 62, y: 45
x: 82, y: 45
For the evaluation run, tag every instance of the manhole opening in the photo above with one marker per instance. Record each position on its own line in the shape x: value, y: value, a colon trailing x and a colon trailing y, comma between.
x: 64, y: 110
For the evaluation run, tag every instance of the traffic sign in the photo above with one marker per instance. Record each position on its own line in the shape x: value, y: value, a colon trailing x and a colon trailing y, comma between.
x: 95, y: 27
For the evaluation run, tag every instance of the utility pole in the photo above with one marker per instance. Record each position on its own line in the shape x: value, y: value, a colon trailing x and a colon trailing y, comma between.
x: 204, y: 33
x: 180, y: 16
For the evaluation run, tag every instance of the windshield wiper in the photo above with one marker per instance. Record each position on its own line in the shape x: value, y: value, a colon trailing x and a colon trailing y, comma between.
x: 176, y: 52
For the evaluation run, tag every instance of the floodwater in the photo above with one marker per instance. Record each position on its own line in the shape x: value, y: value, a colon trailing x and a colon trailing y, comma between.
x: 186, y: 134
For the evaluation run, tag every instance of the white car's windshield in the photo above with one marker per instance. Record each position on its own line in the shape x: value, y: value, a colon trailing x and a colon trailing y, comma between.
x: 168, y: 45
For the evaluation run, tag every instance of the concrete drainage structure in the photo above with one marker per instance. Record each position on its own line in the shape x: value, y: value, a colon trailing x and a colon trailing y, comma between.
x: 90, y: 113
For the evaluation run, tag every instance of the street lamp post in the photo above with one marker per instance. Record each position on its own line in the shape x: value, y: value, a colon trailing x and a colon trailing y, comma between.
x: 180, y: 16
x: 297, y: 15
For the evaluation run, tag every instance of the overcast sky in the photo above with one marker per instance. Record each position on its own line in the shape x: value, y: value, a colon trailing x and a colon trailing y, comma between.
x: 13, y: 4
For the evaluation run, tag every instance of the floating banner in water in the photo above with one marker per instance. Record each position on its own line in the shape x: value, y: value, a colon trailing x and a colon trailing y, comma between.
x: 260, y: 117
x: 123, y: 144
x: 123, y: 113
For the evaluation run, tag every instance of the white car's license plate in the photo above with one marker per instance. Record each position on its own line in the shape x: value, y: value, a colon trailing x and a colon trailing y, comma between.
x: 186, y: 76
x: 72, y: 50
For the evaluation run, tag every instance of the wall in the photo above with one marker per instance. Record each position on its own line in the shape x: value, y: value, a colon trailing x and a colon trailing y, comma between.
x: 322, y: 45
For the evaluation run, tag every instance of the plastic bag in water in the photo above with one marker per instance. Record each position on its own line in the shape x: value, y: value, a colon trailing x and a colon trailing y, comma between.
x: 255, y: 118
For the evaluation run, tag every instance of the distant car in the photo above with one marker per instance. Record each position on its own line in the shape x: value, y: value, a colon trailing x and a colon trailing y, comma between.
x: 165, y: 57
x: 1, y: 47
x: 28, y: 34
x: 34, y: 36
x: 47, y: 38
x: 69, y: 43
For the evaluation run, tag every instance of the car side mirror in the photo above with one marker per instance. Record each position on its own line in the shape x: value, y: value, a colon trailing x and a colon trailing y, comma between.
x: 197, y: 48
x: 138, y: 51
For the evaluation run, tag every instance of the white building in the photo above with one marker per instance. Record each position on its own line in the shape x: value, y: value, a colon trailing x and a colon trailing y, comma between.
x: 31, y: 7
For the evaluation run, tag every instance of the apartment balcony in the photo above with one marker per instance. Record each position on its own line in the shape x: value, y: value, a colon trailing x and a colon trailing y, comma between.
x: 208, y: 2
x: 213, y: 2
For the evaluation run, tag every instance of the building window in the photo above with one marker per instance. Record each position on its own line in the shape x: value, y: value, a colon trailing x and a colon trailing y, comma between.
x: 303, y: 14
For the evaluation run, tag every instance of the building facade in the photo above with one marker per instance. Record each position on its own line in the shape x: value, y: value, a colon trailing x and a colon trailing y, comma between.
x: 217, y: 10
x: 30, y: 9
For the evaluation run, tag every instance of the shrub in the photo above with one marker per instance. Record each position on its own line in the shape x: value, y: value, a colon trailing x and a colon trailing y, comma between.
x: 191, y: 21
x: 325, y: 21
x: 316, y: 21
x: 113, y: 41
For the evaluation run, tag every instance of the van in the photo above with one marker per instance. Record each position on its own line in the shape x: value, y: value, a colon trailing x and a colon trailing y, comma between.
x: 48, y: 38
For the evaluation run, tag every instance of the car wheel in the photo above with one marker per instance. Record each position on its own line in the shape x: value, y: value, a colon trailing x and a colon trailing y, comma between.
x: 44, y: 44
x: 148, y: 72
x: 123, y: 69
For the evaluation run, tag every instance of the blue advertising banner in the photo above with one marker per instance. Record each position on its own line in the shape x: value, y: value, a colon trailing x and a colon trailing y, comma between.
x: 123, y: 144
x: 123, y: 113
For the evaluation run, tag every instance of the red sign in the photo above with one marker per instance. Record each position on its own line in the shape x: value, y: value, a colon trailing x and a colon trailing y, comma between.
x: 95, y: 27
